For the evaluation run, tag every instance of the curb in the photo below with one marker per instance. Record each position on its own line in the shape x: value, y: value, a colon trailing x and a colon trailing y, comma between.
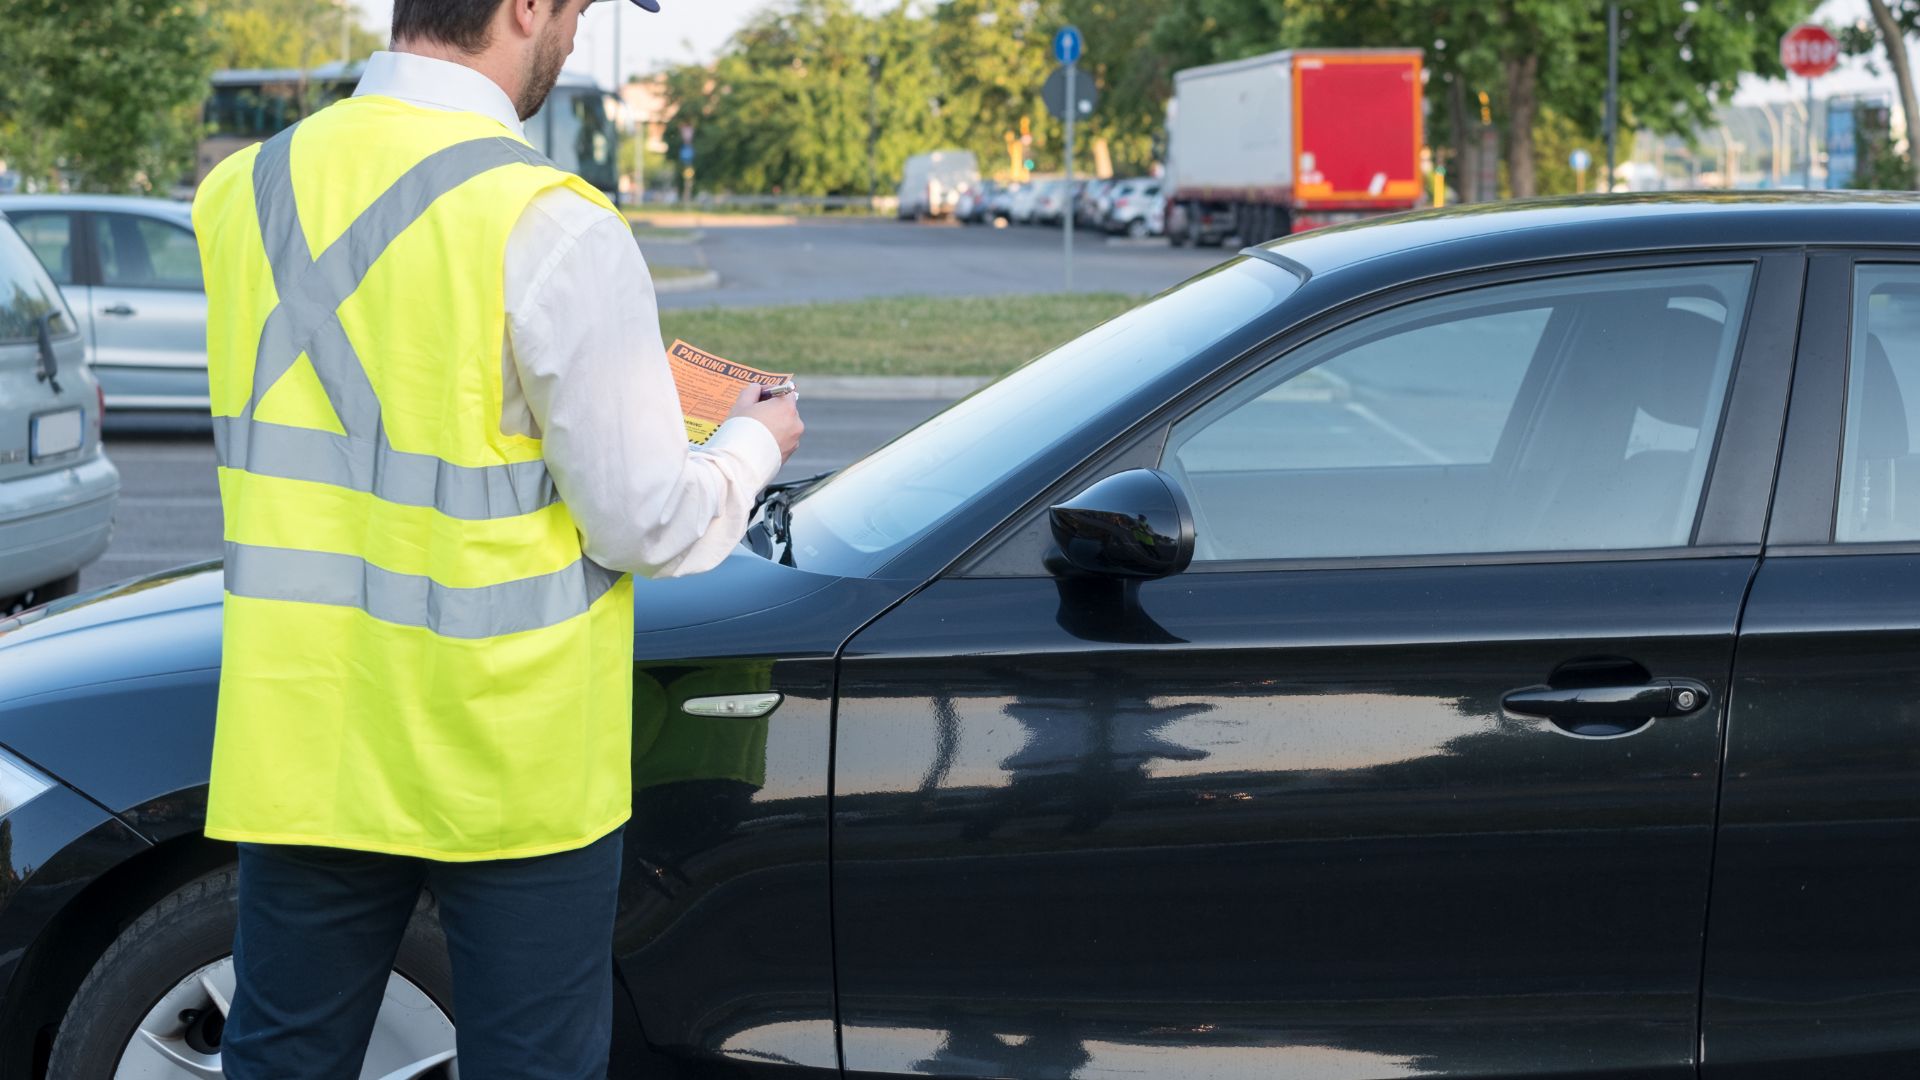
x: 888, y: 387
x: 697, y: 283
x: 688, y: 238
x: 697, y: 220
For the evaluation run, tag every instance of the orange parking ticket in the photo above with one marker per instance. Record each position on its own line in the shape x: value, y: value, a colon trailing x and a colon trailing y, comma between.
x: 709, y: 386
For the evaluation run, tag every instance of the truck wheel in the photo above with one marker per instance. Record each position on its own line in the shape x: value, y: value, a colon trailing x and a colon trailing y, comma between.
x: 156, y: 1002
x: 1178, y: 223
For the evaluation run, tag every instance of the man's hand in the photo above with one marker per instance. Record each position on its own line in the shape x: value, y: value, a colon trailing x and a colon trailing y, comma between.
x: 780, y: 415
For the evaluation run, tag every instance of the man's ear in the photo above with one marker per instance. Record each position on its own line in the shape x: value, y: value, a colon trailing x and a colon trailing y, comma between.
x: 523, y: 13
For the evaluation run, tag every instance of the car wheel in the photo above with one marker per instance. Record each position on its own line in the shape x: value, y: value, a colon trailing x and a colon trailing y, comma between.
x: 53, y: 590
x: 1137, y: 228
x: 155, y: 1004
x: 1177, y: 229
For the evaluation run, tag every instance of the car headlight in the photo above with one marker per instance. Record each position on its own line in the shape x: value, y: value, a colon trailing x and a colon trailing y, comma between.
x: 20, y: 783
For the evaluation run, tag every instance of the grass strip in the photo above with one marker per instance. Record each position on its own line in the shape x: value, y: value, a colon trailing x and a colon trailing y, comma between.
x: 914, y: 335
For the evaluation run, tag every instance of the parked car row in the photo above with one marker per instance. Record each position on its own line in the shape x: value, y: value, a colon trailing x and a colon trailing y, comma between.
x: 1131, y: 207
x: 131, y: 268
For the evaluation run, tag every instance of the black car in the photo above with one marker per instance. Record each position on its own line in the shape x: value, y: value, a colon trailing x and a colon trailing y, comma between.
x: 1485, y: 643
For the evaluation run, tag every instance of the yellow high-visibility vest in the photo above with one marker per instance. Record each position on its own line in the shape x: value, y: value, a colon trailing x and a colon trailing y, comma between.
x: 417, y: 657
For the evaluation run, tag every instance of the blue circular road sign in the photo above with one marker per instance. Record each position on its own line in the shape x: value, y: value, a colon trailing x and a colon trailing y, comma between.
x: 1579, y: 160
x: 1067, y: 44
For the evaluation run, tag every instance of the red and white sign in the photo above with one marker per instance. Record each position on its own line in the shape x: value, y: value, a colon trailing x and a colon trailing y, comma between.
x: 1809, y: 51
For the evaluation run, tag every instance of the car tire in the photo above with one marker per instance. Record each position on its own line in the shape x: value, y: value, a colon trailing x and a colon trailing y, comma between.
x: 40, y: 594
x: 1138, y: 229
x: 183, y: 933
x: 1177, y: 218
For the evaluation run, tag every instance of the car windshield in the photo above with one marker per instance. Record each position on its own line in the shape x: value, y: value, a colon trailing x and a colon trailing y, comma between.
x: 863, y: 516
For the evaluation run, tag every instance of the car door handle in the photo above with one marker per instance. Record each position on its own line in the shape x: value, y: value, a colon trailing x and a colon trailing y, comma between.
x: 1603, y: 711
x: 117, y: 309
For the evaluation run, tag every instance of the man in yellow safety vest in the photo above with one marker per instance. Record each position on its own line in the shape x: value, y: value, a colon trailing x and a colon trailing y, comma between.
x: 447, y: 434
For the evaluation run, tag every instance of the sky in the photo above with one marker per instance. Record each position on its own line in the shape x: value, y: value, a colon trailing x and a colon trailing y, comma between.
x: 690, y: 30
x: 683, y: 31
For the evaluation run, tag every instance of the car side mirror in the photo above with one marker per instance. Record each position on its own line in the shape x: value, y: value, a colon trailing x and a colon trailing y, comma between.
x: 1135, y: 524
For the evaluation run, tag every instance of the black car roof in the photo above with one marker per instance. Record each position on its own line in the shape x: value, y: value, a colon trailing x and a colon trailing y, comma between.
x: 1480, y: 233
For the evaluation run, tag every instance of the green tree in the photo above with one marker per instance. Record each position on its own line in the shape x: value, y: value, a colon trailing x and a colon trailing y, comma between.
x: 106, y: 92
x: 290, y: 33
x: 993, y: 60
x: 1555, y: 137
x: 1893, y: 22
x: 806, y: 95
x: 1134, y: 76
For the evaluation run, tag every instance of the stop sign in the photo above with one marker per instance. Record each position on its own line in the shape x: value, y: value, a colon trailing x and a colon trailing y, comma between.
x: 1809, y: 51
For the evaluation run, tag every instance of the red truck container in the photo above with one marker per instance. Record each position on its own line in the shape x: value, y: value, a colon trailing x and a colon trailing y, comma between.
x: 1276, y: 144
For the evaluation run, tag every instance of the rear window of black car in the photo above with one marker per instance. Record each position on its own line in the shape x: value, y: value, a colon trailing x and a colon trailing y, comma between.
x: 27, y: 294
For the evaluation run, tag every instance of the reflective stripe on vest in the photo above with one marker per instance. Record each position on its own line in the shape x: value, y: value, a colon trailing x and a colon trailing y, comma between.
x: 306, y: 320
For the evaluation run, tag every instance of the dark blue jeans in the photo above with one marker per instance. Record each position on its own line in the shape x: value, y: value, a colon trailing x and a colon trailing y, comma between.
x: 530, y: 940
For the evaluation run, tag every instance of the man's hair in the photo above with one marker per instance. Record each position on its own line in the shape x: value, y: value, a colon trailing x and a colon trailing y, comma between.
x: 463, y: 24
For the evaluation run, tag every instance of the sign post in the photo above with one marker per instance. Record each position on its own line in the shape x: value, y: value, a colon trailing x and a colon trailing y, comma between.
x: 1067, y: 45
x: 1809, y: 51
x: 1578, y: 161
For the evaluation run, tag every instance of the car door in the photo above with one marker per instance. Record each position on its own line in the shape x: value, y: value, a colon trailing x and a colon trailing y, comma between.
x: 148, y: 306
x: 1813, y: 962
x: 1283, y: 813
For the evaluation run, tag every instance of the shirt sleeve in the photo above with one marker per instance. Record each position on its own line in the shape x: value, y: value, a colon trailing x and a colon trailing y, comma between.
x: 583, y: 331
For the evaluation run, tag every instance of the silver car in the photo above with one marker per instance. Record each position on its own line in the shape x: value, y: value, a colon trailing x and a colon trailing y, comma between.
x: 57, y: 488
x: 131, y: 269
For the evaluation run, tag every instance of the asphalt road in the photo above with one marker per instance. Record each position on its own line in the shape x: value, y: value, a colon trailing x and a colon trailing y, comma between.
x: 817, y: 261
x: 170, y: 501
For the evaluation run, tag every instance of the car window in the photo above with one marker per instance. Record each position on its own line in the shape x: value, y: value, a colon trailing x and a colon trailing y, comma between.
x: 145, y: 253
x: 865, y: 514
x: 1575, y: 413
x: 27, y: 294
x: 50, y: 235
x: 1879, y: 476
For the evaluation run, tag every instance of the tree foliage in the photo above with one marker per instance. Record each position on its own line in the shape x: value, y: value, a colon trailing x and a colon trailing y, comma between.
x: 1541, y: 65
x: 290, y: 33
x: 104, y: 92
x: 804, y: 93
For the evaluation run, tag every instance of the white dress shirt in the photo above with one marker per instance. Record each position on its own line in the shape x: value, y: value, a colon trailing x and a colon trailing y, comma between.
x: 585, y: 371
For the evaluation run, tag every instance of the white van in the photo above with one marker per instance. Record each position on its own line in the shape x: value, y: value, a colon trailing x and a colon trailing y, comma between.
x: 931, y: 183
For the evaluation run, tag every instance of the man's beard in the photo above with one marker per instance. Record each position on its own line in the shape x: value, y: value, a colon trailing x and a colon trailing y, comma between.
x: 549, y: 55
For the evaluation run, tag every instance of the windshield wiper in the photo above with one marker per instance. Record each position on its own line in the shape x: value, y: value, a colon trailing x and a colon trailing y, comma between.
x: 790, y: 487
x: 775, y: 507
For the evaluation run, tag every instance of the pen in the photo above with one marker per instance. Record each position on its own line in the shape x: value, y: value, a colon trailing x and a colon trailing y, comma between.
x: 778, y: 391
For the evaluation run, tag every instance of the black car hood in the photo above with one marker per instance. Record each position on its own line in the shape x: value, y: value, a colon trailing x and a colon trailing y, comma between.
x: 170, y: 622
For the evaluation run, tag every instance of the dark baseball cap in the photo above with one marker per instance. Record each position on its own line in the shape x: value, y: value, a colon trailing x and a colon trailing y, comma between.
x: 647, y: 5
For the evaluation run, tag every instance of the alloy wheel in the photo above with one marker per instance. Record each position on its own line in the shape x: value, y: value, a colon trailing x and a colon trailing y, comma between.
x: 180, y: 1037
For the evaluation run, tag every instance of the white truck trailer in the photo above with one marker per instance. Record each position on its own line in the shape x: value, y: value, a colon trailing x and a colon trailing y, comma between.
x: 1275, y: 144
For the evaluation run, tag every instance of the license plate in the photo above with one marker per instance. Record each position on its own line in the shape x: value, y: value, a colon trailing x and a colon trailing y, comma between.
x: 55, y: 433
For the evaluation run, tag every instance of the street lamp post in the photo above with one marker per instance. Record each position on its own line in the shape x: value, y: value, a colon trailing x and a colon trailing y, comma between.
x: 1613, y: 87
x: 873, y: 126
x: 619, y: 102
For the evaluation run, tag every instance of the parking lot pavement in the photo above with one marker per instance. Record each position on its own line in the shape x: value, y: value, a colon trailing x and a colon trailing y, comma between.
x: 827, y: 260
x: 170, y: 501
